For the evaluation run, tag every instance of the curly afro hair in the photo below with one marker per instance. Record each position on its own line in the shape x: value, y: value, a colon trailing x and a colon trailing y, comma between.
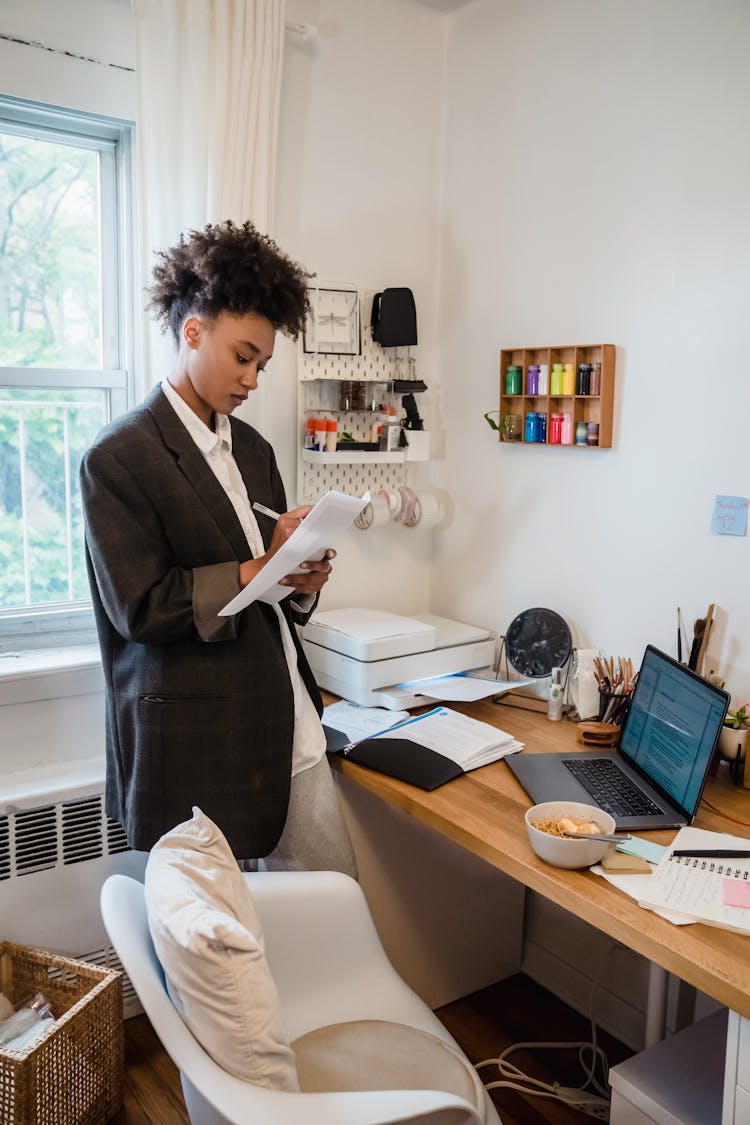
x: 228, y: 268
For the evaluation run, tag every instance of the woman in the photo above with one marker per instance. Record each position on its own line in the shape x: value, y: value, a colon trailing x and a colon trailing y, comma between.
x: 220, y: 712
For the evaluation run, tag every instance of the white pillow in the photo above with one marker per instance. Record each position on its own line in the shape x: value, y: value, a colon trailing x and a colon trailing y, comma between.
x: 209, y: 940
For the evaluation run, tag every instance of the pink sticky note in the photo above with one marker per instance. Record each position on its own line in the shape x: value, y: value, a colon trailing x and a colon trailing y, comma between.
x: 737, y: 893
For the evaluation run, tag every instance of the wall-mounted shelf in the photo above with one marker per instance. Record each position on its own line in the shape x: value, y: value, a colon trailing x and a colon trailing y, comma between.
x: 376, y: 370
x: 582, y: 408
x: 356, y: 457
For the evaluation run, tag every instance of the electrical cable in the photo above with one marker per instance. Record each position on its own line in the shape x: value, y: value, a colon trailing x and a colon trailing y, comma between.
x: 594, y: 1101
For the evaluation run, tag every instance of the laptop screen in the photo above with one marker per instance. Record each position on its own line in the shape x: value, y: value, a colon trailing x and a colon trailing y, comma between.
x: 672, y: 727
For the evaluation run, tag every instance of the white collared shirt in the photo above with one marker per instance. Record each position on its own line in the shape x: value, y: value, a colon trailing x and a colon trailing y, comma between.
x: 309, y: 738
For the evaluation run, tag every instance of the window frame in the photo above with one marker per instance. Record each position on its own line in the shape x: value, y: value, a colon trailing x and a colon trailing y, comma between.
x: 62, y: 624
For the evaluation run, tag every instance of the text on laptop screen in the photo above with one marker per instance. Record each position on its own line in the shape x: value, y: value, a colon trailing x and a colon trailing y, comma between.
x: 672, y: 727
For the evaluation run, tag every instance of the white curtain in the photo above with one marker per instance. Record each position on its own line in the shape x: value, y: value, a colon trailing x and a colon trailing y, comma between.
x: 208, y: 83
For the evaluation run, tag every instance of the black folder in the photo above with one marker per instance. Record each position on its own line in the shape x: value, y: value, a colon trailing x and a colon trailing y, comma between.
x: 396, y: 757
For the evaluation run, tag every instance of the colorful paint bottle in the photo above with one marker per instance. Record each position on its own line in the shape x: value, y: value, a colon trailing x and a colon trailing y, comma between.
x: 531, y: 432
x: 513, y: 380
x: 566, y: 434
x: 569, y: 379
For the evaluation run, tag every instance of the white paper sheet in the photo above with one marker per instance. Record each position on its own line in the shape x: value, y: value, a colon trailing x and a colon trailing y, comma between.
x: 632, y: 885
x: 319, y: 530
x: 459, y: 688
x: 360, y: 722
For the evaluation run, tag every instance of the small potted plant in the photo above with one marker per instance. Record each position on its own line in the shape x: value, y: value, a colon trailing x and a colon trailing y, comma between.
x: 734, y: 733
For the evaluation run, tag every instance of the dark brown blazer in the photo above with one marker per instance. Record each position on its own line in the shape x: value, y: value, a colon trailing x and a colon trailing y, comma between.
x: 199, y: 708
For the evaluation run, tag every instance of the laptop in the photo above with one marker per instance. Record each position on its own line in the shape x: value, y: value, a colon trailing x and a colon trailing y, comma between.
x: 655, y: 778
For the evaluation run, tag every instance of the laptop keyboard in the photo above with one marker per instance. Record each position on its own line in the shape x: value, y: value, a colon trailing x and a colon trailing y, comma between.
x: 610, y: 787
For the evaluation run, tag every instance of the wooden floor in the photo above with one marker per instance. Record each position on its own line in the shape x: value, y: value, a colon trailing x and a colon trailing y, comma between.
x: 514, y: 1011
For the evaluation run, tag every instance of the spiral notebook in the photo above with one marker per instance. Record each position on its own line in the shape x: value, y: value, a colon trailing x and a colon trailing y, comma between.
x: 707, y: 890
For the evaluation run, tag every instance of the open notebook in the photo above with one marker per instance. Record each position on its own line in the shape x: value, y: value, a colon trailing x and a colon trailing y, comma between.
x: 429, y: 750
x: 714, y: 891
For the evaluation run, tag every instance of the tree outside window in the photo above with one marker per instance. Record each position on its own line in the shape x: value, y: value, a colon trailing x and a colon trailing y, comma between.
x: 61, y: 341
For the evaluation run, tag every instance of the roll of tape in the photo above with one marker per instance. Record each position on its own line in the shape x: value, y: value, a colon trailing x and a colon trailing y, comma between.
x: 409, y: 513
x: 381, y: 512
x: 430, y: 509
x: 365, y: 518
x: 394, y: 502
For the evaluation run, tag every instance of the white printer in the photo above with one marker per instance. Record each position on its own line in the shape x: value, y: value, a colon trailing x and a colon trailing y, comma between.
x: 364, y: 654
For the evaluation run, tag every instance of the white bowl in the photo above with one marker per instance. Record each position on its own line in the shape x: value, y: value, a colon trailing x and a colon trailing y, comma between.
x: 562, y: 851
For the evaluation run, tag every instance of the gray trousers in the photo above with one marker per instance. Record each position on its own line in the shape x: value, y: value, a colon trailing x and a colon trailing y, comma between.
x: 315, y: 836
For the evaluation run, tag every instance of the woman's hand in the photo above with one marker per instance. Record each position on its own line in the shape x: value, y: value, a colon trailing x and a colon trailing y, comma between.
x: 286, y: 525
x: 314, y: 572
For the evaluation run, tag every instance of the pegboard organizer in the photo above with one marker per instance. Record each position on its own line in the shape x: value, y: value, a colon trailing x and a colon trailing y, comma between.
x: 352, y: 479
x: 373, y: 365
x: 318, y: 390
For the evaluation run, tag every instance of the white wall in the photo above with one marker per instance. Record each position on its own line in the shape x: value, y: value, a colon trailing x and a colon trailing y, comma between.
x: 596, y: 192
x: 358, y: 197
x: 96, y: 29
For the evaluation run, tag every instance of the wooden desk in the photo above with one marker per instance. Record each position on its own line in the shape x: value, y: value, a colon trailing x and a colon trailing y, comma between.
x: 483, y: 813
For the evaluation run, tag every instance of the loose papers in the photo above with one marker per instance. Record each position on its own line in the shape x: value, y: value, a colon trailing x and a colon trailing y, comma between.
x: 319, y: 530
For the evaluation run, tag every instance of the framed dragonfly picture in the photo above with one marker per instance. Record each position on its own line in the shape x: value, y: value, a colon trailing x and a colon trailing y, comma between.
x: 333, y: 323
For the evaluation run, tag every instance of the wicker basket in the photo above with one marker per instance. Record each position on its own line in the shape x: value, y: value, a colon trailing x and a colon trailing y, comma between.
x: 73, y: 1076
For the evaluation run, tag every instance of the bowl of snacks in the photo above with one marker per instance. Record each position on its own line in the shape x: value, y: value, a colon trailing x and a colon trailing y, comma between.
x: 548, y: 826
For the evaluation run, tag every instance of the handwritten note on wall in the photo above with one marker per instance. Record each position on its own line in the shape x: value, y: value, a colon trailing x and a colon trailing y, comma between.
x: 730, y: 515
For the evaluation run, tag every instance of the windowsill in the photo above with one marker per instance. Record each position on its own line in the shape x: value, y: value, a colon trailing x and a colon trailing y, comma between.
x: 54, y: 673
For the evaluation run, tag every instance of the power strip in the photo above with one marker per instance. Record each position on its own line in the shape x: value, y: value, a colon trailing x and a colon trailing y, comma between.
x: 591, y: 1104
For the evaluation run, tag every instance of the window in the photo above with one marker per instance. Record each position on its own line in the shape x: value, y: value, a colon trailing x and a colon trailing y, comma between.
x: 65, y: 350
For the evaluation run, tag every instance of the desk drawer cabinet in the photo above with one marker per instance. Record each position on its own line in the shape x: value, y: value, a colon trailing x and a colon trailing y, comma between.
x: 678, y: 1080
x: 737, y: 1079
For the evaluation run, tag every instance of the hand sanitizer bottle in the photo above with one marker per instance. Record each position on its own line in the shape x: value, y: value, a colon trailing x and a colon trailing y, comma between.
x: 555, y: 702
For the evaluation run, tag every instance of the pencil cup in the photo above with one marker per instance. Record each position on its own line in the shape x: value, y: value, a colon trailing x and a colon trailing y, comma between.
x: 613, y: 707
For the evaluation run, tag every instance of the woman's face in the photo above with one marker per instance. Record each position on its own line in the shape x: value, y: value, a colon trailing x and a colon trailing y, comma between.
x: 220, y: 360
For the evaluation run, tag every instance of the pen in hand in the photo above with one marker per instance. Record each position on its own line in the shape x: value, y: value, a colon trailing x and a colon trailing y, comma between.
x: 266, y: 511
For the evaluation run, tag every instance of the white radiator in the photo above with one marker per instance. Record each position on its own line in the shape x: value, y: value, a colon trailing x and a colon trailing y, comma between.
x: 54, y: 859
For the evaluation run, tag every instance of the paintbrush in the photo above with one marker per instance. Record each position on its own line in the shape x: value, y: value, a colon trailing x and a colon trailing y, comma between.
x: 679, y: 637
x: 698, y: 630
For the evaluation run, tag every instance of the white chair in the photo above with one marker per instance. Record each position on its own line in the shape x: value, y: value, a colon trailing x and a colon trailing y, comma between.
x: 329, y: 967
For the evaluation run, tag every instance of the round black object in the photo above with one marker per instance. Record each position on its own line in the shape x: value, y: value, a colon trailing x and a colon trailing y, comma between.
x: 537, y: 641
